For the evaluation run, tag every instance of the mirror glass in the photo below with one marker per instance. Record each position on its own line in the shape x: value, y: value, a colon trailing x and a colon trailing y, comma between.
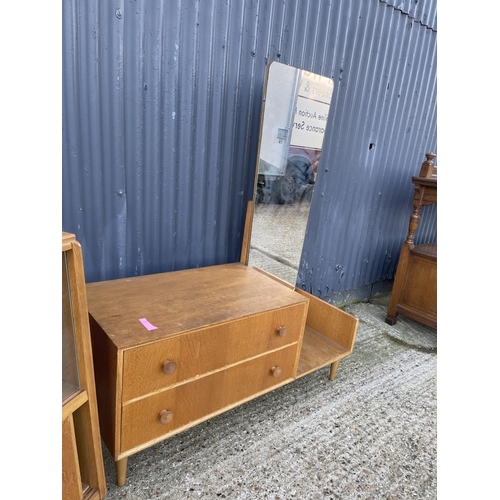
x: 295, y: 113
x: 70, y: 375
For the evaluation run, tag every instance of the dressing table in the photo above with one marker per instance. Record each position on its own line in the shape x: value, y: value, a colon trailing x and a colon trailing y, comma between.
x: 174, y: 349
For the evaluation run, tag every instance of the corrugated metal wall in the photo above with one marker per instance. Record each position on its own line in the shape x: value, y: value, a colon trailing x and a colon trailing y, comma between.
x: 384, y: 121
x: 161, y: 116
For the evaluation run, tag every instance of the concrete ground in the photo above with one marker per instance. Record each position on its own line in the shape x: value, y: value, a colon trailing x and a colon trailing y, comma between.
x: 369, y: 434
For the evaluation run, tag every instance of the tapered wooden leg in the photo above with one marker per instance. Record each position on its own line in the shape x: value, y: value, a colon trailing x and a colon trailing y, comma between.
x: 333, y: 369
x: 121, y: 471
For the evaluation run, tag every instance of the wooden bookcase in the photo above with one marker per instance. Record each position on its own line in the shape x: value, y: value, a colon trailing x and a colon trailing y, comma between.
x: 82, y: 463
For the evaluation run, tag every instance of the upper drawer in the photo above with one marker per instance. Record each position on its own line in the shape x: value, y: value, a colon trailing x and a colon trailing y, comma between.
x: 161, y: 364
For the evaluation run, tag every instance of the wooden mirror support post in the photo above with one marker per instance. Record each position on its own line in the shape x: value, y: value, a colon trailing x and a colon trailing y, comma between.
x: 247, y: 234
x: 414, y: 293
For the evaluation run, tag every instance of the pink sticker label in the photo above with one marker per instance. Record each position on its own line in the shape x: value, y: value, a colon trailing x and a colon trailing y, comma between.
x: 147, y: 324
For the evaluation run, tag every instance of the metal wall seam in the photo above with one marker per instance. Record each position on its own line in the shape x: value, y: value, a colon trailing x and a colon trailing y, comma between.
x: 422, y: 11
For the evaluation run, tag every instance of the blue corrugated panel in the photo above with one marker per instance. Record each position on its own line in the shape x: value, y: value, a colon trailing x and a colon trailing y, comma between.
x: 384, y: 122
x: 161, y: 116
x: 160, y: 132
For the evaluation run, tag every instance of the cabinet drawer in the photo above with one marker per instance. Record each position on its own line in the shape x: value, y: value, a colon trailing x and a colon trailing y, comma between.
x: 204, y: 397
x: 208, y: 349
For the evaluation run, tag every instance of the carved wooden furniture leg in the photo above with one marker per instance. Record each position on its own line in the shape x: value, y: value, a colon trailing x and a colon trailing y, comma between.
x: 333, y: 369
x: 121, y: 471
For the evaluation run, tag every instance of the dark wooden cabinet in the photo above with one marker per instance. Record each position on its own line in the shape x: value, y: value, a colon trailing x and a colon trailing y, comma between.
x: 414, y: 293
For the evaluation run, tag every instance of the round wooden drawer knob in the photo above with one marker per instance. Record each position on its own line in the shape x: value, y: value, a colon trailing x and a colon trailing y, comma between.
x: 282, y: 331
x: 166, y: 416
x: 169, y: 367
x: 276, y: 371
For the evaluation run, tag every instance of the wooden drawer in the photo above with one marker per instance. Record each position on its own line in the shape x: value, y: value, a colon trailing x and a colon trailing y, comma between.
x: 208, y: 349
x: 203, y: 398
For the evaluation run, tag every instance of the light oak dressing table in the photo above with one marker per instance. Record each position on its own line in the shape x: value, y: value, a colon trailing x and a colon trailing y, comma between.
x: 211, y: 338
x: 174, y: 349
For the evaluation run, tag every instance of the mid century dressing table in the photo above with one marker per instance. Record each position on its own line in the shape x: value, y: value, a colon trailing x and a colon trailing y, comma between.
x: 174, y: 349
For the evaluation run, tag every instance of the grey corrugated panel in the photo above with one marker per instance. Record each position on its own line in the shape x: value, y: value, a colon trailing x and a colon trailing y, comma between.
x: 162, y: 103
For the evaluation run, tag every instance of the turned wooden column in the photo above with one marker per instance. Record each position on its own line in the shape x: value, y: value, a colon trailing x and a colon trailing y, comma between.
x: 427, y: 171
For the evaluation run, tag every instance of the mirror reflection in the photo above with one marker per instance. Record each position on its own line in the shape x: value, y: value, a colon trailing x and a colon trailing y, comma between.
x: 295, y: 113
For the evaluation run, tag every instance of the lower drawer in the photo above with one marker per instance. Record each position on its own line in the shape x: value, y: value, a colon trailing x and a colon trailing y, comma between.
x: 203, y: 398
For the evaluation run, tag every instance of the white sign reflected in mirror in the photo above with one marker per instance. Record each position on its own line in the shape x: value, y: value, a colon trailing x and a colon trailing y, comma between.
x: 295, y: 114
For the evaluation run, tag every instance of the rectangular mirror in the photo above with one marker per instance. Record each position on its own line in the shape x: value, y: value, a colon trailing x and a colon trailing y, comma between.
x: 295, y: 112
